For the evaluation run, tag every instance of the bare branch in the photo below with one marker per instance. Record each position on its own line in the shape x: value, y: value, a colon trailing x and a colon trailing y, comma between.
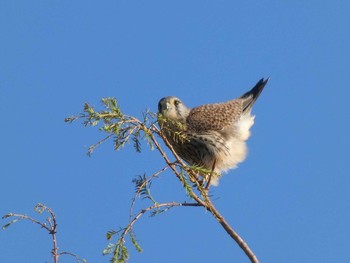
x: 50, y: 225
x: 76, y: 257
x: 243, y: 245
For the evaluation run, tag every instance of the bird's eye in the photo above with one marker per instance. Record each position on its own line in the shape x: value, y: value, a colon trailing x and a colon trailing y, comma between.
x: 159, y: 107
x: 177, y: 102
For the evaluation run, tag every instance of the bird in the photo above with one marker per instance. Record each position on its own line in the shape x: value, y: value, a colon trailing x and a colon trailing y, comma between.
x: 211, y: 136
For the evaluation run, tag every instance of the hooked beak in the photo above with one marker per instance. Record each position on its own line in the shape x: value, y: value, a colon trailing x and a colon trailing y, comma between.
x: 167, y: 106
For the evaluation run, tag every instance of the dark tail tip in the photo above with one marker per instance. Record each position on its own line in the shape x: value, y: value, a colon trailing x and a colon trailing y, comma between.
x: 251, y: 96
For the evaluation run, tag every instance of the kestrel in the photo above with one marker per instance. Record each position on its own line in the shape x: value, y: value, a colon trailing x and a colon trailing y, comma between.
x: 214, y: 134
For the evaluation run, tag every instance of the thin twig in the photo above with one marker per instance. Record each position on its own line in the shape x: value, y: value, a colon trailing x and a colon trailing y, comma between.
x: 43, y: 225
x: 143, y: 185
x: 152, y: 207
x: 76, y: 257
x: 95, y: 145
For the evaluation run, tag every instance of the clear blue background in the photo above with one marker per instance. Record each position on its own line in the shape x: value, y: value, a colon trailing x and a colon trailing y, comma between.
x: 289, y: 200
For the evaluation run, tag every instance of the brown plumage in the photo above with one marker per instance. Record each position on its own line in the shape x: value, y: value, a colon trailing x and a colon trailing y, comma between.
x: 215, y: 133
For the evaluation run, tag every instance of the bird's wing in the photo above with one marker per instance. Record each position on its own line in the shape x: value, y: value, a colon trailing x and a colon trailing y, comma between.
x: 214, y: 116
x: 218, y: 116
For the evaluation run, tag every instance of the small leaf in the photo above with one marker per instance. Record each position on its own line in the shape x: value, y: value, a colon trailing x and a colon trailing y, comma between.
x: 149, y: 141
x: 156, y: 212
x: 120, y: 254
x: 70, y: 119
x: 7, y: 215
x: 10, y: 223
x: 110, y: 234
x: 109, y: 249
x: 137, y: 144
x: 134, y: 242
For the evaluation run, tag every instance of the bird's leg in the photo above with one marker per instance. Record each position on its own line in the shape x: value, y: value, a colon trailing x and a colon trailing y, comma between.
x: 193, y: 176
x: 174, y: 163
x: 211, y: 174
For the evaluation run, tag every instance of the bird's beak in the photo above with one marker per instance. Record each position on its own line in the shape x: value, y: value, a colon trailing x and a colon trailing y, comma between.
x: 167, y: 106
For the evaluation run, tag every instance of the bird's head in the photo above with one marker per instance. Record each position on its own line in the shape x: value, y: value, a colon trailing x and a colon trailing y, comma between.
x: 173, y: 109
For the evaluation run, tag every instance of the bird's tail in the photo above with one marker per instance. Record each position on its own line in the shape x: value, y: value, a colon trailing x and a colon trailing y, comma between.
x: 251, y: 96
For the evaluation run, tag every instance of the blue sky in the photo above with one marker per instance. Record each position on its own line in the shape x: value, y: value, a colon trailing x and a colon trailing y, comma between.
x: 289, y: 200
